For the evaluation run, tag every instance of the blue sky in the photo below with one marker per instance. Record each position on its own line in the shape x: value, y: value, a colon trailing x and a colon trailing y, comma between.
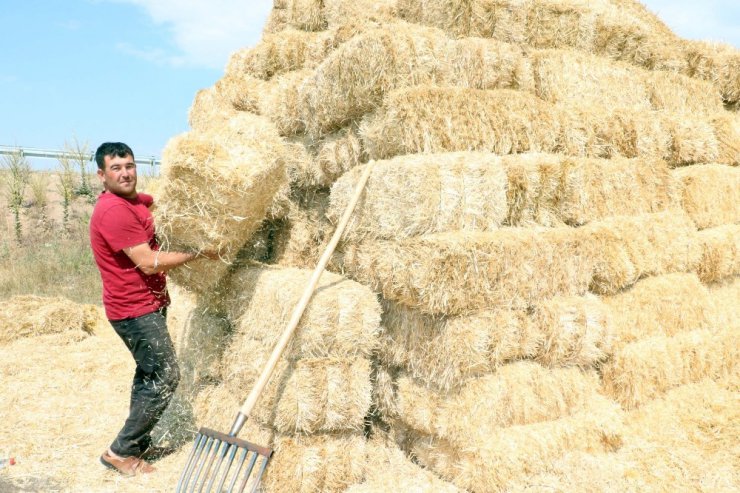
x: 128, y: 69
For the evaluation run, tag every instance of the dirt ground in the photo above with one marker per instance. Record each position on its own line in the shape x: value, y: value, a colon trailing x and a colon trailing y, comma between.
x: 64, y: 400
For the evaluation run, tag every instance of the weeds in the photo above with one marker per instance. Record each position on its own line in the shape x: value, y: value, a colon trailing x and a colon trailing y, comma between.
x: 17, y: 177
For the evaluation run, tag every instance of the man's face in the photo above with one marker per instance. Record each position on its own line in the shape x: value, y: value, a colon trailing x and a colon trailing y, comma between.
x: 119, y: 176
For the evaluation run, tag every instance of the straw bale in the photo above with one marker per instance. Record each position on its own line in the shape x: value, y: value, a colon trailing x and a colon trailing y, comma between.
x: 576, y: 331
x: 306, y: 15
x: 711, y: 194
x: 286, y: 51
x: 210, y: 109
x: 720, y: 252
x: 725, y: 295
x: 606, y: 132
x: 243, y: 92
x: 494, y: 461
x: 718, y: 63
x: 302, y: 238
x: 692, y: 139
x: 353, y: 79
x: 430, y: 119
x: 451, y: 273
x: 517, y: 394
x: 388, y: 469
x: 624, y: 249
x: 383, y: 378
x: 305, y: 396
x: 315, y: 15
x: 645, y: 369
x: 549, y: 189
x: 319, y: 462
x: 420, y: 194
x: 444, y: 352
x: 572, y: 76
x: 338, y: 153
x: 726, y: 126
x: 661, y: 305
x: 674, y: 92
x: 29, y: 315
x: 281, y: 102
x: 341, y: 320
x: 219, y: 186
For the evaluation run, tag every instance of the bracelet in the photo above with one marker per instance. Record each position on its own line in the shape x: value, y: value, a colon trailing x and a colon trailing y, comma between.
x: 156, y: 260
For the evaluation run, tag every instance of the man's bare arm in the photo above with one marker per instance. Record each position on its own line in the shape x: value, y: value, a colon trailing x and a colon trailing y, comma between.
x: 151, y: 262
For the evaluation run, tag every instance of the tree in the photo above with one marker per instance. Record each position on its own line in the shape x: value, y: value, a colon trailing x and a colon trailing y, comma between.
x: 66, y: 187
x: 80, y: 156
x: 17, y: 176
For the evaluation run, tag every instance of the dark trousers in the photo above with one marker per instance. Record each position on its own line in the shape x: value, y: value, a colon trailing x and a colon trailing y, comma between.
x: 155, y: 380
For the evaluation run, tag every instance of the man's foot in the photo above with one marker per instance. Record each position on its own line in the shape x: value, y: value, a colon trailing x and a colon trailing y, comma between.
x: 154, y: 453
x: 128, y: 466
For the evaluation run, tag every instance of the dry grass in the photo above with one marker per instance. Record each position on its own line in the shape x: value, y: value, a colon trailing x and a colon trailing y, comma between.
x: 25, y: 316
x: 710, y: 194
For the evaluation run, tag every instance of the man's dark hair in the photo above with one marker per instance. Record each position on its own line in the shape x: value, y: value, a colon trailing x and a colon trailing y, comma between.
x: 116, y: 149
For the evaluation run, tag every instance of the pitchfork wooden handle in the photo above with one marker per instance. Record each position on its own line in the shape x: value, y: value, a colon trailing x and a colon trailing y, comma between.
x: 264, y: 377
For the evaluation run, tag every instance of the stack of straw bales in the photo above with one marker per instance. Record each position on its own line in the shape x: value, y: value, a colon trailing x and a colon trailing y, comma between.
x: 551, y: 225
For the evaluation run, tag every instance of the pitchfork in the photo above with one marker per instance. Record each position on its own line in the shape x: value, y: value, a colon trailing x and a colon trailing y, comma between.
x: 212, y: 447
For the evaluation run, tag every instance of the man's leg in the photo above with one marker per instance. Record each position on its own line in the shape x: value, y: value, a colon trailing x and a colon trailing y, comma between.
x: 155, y: 380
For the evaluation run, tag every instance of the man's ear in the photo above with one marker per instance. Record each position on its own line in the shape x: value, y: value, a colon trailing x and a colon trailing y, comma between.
x: 101, y: 175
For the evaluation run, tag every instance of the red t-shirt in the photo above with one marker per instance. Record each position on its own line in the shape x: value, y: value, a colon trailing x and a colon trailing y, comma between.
x: 119, y: 223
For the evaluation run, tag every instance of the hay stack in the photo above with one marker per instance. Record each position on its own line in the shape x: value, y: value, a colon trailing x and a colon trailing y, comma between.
x: 661, y: 305
x: 492, y: 462
x: 211, y: 108
x: 315, y: 15
x: 29, y: 316
x: 720, y: 253
x: 645, y: 369
x: 452, y: 273
x: 624, y: 249
x: 219, y: 186
x: 711, y: 194
x: 718, y: 63
x: 517, y: 394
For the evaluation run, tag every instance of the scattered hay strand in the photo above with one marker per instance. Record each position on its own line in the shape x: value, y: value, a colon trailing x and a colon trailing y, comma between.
x: 519, y: 451
x: 429, y: 119
x: 645, y: 369
x: 517, y: 394
x: 462, y: 272
x: 720, y: 253
x: 28, y: 316
x: 625, y: 249
x: 710, y: 194
x: 219, y: 187
x: 663, y: 305
x: 342, y: 319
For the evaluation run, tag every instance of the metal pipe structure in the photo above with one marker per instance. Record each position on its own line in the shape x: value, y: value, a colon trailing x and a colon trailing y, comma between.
x: 54, y: 154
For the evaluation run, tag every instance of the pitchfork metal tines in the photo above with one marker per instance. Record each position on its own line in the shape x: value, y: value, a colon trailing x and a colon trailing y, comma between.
x: 210, y: 464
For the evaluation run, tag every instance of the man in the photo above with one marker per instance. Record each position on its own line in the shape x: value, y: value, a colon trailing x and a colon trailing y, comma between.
x: 135, y: 297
